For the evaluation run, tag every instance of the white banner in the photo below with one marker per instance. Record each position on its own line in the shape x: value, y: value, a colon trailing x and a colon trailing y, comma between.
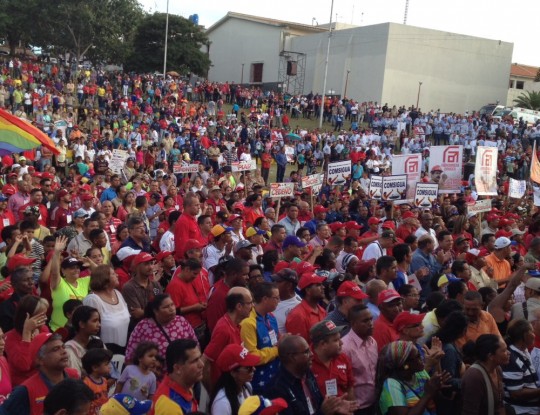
x: 517, y: 188
x: 118, y: 160
x: 485, y: 172
x: 289, y: 152
x: 185, y: 168
x: 536, y: 195
x: 339, y: 172
x: 244, y: 165
x: 445, y: 167
x: 479, y: 206
x: 312, y: 180
x: 425, y: 194
x: 394, y: 187
x: 411, y: 165
x: 375, y: 187
x: 316, y: 189
x: 281, y: 190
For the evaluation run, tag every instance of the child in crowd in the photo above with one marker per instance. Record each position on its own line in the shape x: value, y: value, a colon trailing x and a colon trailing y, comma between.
x: 68, y: 308
x: 138, y: 380
x: 95, y: 363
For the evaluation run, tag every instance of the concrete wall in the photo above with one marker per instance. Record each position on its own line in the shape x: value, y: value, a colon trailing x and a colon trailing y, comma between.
x: 240, y: 41
x: 529, y: 86
x: 458, y: 73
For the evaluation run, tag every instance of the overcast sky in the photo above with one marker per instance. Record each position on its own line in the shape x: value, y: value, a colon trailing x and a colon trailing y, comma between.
x: 509, y: 21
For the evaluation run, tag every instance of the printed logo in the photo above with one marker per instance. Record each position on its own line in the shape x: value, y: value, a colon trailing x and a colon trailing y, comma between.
x: 451, y: 154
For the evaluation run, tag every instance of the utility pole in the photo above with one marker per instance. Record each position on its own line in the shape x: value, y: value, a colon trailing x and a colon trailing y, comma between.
x: 326, y: 65
x: 166, y: 38
x: 418, y: 97
x: 346, y: 83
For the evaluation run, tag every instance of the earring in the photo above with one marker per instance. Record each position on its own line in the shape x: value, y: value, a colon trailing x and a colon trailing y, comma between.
x: 406, y: 367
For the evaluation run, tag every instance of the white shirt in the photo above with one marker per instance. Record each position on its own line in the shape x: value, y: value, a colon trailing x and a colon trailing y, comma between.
x: 211, y: 257
x: 114, y: 318
x: 421, y: 231
x: 373, y: 251
x: 166, y: 242
x: 283, y: 309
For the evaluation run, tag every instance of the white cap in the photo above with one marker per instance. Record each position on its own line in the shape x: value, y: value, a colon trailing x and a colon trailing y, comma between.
x: 126, y: 252
x: 502, y: 242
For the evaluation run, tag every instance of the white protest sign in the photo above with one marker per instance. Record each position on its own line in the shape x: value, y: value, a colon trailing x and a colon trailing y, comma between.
x: 479, y: 206
x: 312, y: 180
x: 316, y: 189
x: 244, y: 165
x: 339, y: 172
x: 118, y: 160
x: 485, y: 171
x: 289, y: 152
x: 517, y: 188
x: 425, y: 194
x: 185, y: 168
x: 394, y: 187
x: 281, y: 189
x: 375, y: 187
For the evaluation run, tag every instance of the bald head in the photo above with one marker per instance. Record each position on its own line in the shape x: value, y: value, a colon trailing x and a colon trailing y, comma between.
x: 290, y: 344
x: 239, y: 291
x: 373, y: 288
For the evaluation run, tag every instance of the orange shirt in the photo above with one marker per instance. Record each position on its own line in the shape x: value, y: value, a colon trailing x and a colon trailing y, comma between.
x: 485, y: 325
x: 501, y: 267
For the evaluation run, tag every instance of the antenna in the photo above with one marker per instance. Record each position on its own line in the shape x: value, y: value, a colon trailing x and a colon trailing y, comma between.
x: 406, y: 11
x: 352, y: 14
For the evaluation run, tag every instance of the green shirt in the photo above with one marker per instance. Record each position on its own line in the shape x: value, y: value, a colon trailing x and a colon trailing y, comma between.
x: 63, y: 292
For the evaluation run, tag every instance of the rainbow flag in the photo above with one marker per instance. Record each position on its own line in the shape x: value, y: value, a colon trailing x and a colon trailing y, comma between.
x: 17, y: 136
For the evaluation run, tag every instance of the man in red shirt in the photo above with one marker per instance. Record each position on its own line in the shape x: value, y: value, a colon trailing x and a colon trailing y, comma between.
x: 331, y: 367
x: 308, y: 312
x: 36, y: 197
x: 408, y: 226
x: 389, y: 302
x: 62, y: 214
x: 227, y: 331
x: 236, y: 275
x: 186, y: 227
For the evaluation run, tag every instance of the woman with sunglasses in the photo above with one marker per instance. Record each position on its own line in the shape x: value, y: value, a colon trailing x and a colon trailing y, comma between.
x: 233, y: 386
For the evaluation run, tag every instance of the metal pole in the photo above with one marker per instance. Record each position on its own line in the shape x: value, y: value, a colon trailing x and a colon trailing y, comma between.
x: 242, y: 77
x: 166, y: 37
x: 326, y: 65
x: 418, y: 97
x: 346, y: 82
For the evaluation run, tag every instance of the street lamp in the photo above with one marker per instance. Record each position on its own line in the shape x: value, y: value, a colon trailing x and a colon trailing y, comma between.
x: 418, y: 97
x: 242, y: 76
x: 346, y: 82
x: 166, y: 36
x: 326, y: 65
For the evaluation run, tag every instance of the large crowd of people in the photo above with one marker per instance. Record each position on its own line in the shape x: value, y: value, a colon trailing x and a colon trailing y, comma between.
x: 136, y: 288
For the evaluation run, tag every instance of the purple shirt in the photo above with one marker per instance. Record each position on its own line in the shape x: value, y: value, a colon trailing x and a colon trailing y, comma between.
x: 16, y: 201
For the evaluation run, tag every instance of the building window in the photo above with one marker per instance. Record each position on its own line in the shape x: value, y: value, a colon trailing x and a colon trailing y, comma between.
x: 511, y: 84
x: 520, y: 84
x: 256, y: 73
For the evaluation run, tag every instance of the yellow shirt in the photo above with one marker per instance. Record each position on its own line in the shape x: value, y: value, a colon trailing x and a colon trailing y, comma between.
x: 63, y: 292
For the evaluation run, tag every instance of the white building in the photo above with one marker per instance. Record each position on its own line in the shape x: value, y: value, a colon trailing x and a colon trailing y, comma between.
x: 384, y: 63
x: 521, y: 80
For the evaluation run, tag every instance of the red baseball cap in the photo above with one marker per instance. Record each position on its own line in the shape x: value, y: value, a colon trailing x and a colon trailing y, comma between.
x: 47, y: 175
x: 162, y: 255
x: 308, y: 279
x: 8, y: 191
x: 302, y: 267
x: 362, y: 267
x: 236, y: 355
x: 335, y: 226
x: 239, y: 206
x: 502, y: 232
x: 408, y: 214
x: 492, y: 217
x: 86, y: 187
x: 233, y: 218
x: 389, y: 224
x: 86, y: 196
x: 38, y: 342
x: 350, y: 289
x: 407, y: 318
x: 193, y: 244
x: 319, y: 209
x: 352, y: 224
x: 142, y: 258
x: 19, y: 260
x: 373, y: 221
x: 62, y: 193
x: 281, y: 265
x: 387, y: 295
x: 506, y: 222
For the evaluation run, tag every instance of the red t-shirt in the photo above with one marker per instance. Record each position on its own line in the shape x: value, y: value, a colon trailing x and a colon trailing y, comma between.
x: 216, y: 303
x: 184, y: 294
x: 338, y: 374
x: 384, y: 332
x: 302, y: 317
x: 186, y: 228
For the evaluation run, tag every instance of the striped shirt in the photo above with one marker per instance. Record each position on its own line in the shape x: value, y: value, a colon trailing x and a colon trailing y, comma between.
x: 519, y: 373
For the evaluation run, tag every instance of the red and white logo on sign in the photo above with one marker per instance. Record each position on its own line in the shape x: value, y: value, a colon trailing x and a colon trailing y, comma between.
x: 451, y: 154
x: 412, y: 165
x: 487, y: 159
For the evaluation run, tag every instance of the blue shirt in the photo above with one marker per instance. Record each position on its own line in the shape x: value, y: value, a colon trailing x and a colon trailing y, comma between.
x: 420, y: 260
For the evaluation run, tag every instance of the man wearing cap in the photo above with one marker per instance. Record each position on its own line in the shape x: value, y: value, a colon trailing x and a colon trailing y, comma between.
x: 286, y: 281
x: 290, y: 221
x: 220, y: 246
x: 141, y: 288
x: 11, y: 187
x: 492, y: 220
x: 319, y: 215
x: 243, y: 250
x: 291, y: 248
x: 51, y: 357
x: 378, y: 248
x: 497, y: 260
x: 528, y: 308
x: 19, y: 199
x: 61, y: 215
x: 409, y: 326
x: 361, y: 348
x: 390, y: 305
x: 331, y: 367
x: 348, y: 295
x: 518, y: 245
x: 216, y: 200
x: 239, y: 303
x: 6, y: 216
x: 256, y: 237
x: 260, y: 334
x: 186, y: 226
x: 409, y: 225
x: 477, y: 262
x: 308, y: 312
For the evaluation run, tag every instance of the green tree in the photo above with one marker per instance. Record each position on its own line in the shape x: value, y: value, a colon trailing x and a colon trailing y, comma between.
x: 184, y: 46
x: 528, y: 99
x: 98, y: 29
x: 17, y: 22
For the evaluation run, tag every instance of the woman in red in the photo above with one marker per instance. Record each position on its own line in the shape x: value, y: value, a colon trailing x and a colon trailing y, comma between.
x: 253, y: 209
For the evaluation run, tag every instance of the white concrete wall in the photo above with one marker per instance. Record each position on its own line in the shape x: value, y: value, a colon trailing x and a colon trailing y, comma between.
x: 458, y: 73
x: 239, y: 41
x: 529, y: 86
